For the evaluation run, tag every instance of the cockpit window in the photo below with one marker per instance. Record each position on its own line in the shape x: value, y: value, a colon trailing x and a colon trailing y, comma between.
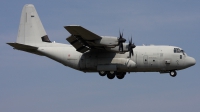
x: 183, y: 52
x: 177, y: 50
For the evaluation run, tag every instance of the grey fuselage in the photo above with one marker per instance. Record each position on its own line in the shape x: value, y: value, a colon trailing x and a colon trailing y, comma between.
x: 145, y: 59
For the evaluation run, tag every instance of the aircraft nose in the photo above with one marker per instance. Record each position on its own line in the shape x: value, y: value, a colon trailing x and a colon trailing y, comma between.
x: 194, y: 61
x: 190, y: 61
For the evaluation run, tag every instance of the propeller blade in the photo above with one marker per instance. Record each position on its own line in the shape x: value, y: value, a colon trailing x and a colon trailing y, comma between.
x: 120, y: 47
x: 121, y: 40
x: 130, y: 47
x: 132, y: 52
x: 120, y: 34
x: 131, y: 39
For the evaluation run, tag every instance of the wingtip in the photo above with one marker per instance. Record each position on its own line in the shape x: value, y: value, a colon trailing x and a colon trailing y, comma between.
x: 74, y: 25
x: 10, y: 43
x: 71, y: 26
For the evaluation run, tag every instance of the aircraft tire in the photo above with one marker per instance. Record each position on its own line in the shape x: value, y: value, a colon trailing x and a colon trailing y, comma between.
x: 110, y: 75
x: 102, y: 73
x: 120, y: 75
x: 173, y: 73
x: 113, y: 72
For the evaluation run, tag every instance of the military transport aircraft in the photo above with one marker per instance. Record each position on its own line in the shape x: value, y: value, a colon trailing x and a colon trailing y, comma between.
x: 89, y: 52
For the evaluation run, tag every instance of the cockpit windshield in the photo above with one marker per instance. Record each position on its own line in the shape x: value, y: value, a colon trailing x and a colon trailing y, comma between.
x: 183, y: 52
x: 177, y: 50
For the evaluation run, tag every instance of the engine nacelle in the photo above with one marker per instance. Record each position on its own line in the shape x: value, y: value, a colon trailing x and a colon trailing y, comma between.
x: 116, y: 48
x: 111, y: 44
x: 107, y: 41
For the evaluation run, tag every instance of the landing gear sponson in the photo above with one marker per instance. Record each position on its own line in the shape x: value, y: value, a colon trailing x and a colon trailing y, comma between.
x: 121, y: 75
x: 112, y: 74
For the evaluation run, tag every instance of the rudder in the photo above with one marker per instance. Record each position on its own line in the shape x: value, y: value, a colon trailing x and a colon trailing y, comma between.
x: 31, y: 30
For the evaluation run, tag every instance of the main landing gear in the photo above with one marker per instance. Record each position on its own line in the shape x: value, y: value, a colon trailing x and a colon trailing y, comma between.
x: 102, y: 73
x: 112, y: 74
x: 173, y: 73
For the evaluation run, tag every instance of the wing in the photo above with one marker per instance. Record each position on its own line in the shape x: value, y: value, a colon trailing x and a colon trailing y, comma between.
x: 84, y: 33
x: 82, y: 39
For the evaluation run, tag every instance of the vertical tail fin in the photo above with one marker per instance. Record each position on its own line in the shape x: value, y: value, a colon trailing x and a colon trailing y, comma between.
x: 31, y: 30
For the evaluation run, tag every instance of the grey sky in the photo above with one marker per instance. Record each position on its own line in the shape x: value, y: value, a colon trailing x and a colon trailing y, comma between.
x: 33, y: 83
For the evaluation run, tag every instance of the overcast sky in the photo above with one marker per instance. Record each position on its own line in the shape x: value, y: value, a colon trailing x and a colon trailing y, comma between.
x: 31, y: 83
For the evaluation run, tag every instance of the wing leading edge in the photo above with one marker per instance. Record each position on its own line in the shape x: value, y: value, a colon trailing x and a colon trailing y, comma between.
x: 84, y: 33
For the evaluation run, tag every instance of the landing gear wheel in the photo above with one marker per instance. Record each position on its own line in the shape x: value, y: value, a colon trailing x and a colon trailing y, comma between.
x: 112, y: 72
x: 173, y: 73
x: 120, y: 75
x: 102, y: 73
x: 124, y: 73
x: 111, y: 75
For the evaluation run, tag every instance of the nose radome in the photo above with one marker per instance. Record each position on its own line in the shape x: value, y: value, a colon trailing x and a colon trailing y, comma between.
x: 193, y: 61
x: 190, y: 61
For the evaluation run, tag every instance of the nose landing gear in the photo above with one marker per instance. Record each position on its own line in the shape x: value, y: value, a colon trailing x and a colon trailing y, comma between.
x: 173, y: 73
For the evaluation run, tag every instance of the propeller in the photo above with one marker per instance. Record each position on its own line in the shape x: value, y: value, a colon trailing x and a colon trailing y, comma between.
x: 130, y: 47
x: 121, y: 40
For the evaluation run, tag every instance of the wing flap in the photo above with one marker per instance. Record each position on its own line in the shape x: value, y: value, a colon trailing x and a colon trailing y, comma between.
x: 78, y: 44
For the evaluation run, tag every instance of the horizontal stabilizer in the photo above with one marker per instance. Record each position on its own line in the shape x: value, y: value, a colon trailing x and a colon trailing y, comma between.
x: 22, y: 46
x: 27, y: 48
